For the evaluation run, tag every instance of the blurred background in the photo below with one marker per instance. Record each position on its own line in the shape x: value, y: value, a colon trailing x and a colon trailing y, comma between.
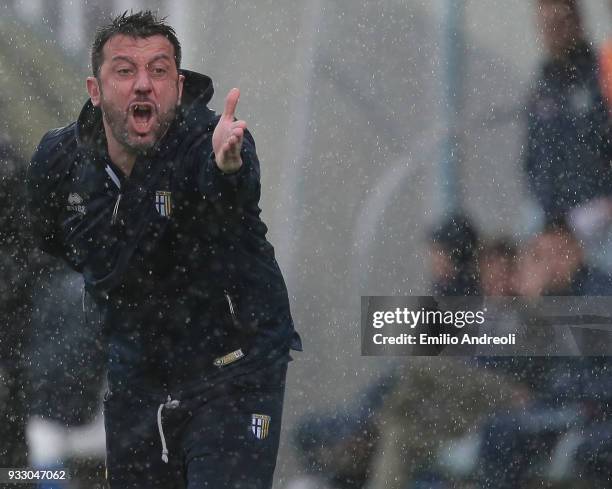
x: 374, y: 122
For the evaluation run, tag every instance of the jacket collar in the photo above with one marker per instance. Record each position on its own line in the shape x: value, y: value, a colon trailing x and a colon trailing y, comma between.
x: 579, y: 63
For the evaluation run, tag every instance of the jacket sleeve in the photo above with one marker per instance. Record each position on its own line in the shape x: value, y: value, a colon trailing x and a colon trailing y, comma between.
x: 47, y: 171
x: 230, y: 189
x: 534, y: 164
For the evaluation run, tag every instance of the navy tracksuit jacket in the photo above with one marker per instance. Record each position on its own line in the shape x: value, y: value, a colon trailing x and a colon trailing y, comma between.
x: 175, y: 254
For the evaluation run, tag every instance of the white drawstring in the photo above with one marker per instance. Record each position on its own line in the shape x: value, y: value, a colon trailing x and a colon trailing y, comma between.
x: 169, y: 404
x: 117, y: 183
x: 116, y: 209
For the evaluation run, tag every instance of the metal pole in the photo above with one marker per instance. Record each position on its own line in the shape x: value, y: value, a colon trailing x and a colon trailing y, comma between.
x: 452, y: 60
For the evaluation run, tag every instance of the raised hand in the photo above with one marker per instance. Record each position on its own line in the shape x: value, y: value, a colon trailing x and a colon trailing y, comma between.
x: 228, y: 136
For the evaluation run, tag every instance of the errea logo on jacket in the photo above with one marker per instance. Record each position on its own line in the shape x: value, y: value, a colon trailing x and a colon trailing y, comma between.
x: 75, y: 203
x: 163, y: 203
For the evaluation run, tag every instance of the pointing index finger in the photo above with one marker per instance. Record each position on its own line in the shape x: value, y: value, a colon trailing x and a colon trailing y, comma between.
x: 231, y: 101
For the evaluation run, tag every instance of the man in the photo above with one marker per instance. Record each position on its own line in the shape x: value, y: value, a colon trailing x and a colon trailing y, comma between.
x: 568, y: 150
x: 562, y: 391
x: 605, y: 69
x: 65, y: 374
x: 15, y: 306
x: 554, y: 264
x: 154, y: 199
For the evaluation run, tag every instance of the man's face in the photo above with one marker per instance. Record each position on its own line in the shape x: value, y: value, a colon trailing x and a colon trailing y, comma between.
x: 560, y: 252
x: 559, y: 26
x: 138, y: 88
x: 442, y: 268
x: 496, y: 274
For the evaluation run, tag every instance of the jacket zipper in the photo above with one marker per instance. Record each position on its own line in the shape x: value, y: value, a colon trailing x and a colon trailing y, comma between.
x: 231, y: 306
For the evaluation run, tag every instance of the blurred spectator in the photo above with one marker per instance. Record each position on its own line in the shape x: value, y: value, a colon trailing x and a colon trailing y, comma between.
x: 66, y: 360
x: 564, y: 391
x: 15, y: 307
x: 553, y: 263
x: 496, y: 267
x: 569, y: 144
x: 336, y: 449
x: 43, y: 371
x: 453, y: 248
x: 592, y: 221
x: 428, y: 402
x: 436, y: 400
x: 392, y: 434
x: 605, y: 69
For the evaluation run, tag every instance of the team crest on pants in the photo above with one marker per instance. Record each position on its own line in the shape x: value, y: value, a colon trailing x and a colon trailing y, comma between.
x: 163, y: 204
x: 260, y: 425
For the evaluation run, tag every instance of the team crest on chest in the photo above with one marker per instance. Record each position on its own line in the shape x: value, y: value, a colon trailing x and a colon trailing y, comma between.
x: 163, y: 203
x: 75, y: 203
x: 260, y: 425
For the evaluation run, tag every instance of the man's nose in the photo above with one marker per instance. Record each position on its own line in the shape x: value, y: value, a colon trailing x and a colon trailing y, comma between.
x: 143, y: 82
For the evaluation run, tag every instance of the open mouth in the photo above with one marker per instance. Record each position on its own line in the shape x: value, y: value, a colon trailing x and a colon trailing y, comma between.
x: 142, y: 114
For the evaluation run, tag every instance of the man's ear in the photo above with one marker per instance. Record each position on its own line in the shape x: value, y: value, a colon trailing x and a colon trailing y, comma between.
x: 94, y: 90
x: 181, y: 80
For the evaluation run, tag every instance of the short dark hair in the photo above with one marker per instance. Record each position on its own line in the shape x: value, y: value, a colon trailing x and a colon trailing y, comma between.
x: 572, y: 5
x: 503, y: 247
x: 138, y: 25
x: 458, y: 236
x: 557, y: 224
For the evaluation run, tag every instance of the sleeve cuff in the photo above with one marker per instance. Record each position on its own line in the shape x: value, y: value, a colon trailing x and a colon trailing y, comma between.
x: 217, y: 172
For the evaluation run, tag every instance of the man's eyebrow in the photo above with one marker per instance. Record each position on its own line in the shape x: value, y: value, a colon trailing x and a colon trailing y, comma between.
x: 160, y: 56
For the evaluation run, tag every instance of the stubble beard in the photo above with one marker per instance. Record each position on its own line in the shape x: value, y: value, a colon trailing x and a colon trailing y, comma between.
x: 117, y: 120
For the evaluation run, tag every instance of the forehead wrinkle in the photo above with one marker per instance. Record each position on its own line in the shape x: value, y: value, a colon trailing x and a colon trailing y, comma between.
x: 119, y: 44
x: 129, y: 59
x: 120, y: 57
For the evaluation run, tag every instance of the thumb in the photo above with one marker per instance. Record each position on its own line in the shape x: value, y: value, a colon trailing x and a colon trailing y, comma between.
x: 231, y: 101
